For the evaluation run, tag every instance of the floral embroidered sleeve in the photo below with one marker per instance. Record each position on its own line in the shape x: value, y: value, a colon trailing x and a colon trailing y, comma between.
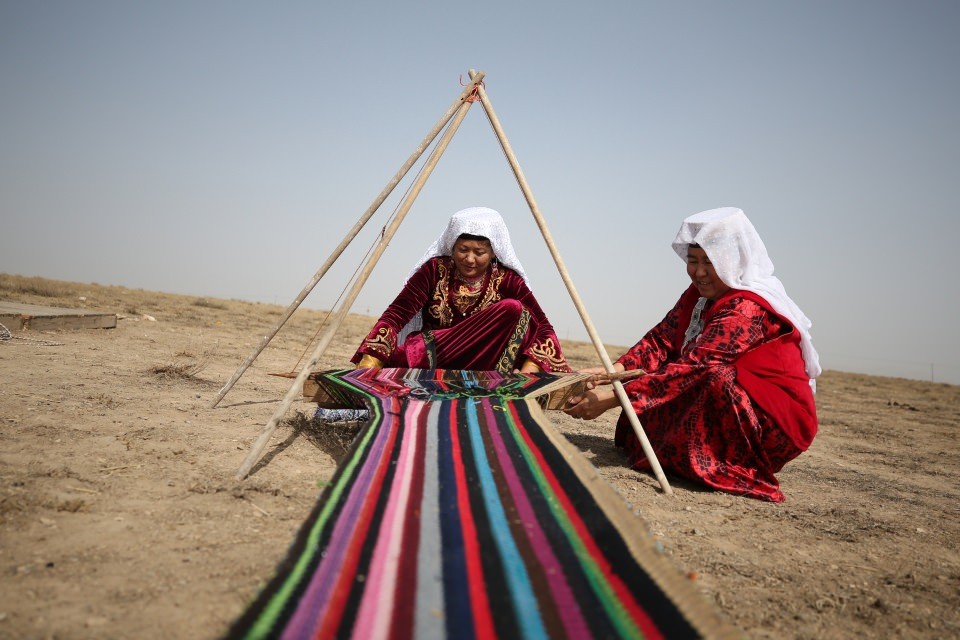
x: 382, y: 339
x: 656, y: 347
x: 735, y: 327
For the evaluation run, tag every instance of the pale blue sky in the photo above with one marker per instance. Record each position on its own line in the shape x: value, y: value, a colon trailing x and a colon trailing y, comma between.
x: 225, y: 148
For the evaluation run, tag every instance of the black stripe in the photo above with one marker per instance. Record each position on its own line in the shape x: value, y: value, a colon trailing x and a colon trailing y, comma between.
x: 648, y: 594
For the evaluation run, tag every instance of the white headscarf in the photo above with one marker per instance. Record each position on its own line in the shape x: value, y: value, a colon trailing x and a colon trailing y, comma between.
x: 741, y: 262
x: 475, y: 221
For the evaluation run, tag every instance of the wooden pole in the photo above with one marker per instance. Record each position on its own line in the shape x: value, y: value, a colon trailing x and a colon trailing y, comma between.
x: 387, y: 190
x: 388, y: 233
x: 594, y: 336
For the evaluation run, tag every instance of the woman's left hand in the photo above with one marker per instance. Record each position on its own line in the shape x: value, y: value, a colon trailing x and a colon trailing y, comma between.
x: 529, y: 366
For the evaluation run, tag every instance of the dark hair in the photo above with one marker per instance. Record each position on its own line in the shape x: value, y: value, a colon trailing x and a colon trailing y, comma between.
x: 470, y: 236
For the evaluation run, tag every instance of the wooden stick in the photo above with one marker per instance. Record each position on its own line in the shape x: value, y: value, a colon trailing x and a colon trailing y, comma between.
x: 621, y: 375
x: 388, y: 233
x: 578, y: 377
x: 387, y: 190
x: 569, y: 385
x: 594, y: 336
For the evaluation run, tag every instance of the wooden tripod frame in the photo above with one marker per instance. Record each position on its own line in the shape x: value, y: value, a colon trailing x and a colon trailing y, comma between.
x: 454, y: 116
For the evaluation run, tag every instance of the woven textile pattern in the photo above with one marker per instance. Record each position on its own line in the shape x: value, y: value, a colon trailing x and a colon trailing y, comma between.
x: 459, y: 513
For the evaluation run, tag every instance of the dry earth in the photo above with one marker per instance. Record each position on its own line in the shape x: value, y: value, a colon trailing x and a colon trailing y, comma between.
x: 120, y: 518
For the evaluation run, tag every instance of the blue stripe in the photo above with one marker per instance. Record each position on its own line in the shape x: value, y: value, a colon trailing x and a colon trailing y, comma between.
x: 518, y: 580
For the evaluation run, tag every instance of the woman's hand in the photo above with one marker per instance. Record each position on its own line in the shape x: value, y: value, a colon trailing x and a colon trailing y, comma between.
x: 600, y: 374
x: 369, y: 362
x: 529, y: 366
x: 591, y: 403
x: 594, y: 370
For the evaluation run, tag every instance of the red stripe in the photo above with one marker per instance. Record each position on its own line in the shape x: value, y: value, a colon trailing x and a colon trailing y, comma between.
x: 401, y: 626
x: 347, y: 574
x: 482, y: 616
x: 640, y: 617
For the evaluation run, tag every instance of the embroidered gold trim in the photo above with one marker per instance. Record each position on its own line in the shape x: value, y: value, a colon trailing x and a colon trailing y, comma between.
x: 465, y: 297
x: 384, y: 341
x: 465, y: 301
x: 492, y: 293
x: 546, y: 351
x: 439, y: 309
x: 429, y: 341
x: 508, y: 360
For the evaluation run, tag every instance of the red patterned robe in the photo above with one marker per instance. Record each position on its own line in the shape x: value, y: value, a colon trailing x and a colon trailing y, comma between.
x: 494, y: 329
x: 729, y: 409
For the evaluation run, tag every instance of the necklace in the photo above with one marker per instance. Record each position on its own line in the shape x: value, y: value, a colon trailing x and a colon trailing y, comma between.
x: 466, y: 292
x: 471, y: 283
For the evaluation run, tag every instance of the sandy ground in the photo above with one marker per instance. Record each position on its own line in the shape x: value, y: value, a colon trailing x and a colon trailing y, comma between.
x: 120, y: 517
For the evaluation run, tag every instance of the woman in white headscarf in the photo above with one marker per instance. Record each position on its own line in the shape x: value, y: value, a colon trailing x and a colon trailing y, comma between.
x: 466, y: 305
x: 727, y: 399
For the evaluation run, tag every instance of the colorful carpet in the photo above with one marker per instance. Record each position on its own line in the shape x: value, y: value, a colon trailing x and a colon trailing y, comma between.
x: 460, y: 512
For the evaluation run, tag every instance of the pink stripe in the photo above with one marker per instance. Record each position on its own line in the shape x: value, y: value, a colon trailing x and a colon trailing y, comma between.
x: 313, y: 604
x: 566, y: 604
x: 376, y: 607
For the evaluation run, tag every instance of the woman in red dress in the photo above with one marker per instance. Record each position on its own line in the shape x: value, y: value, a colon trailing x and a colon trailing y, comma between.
x: 727, y: 398
x: 466, y: 305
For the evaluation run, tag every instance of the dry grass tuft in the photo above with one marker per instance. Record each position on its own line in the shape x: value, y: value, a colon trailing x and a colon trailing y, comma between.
x: 104, y: 400
x: 333, y: 438
x: 185, y: 365
x: 178, y: 369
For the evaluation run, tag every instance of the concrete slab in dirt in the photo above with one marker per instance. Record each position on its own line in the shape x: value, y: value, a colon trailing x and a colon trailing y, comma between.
x: 16, y: 316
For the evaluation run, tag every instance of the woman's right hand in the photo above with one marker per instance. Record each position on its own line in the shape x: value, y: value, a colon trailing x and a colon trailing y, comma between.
x: 591, y: 404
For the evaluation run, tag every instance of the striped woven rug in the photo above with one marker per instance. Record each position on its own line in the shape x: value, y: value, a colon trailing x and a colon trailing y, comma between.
x: 460, y: 512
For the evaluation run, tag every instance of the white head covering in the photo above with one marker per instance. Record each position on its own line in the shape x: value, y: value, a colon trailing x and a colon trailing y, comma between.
x: 741, y: 262
x: 475, y: 221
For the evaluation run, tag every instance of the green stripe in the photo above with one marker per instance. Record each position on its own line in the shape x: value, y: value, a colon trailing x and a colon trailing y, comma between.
x: 618, y: 615
x: 272, y: 610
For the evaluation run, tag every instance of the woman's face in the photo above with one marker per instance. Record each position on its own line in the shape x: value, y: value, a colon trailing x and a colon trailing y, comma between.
x: 703, y: 275
x: 472, y: 257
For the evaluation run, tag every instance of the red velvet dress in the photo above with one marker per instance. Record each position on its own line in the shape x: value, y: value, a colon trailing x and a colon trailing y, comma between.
x: 492, y: 329
x: 731, y: 408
